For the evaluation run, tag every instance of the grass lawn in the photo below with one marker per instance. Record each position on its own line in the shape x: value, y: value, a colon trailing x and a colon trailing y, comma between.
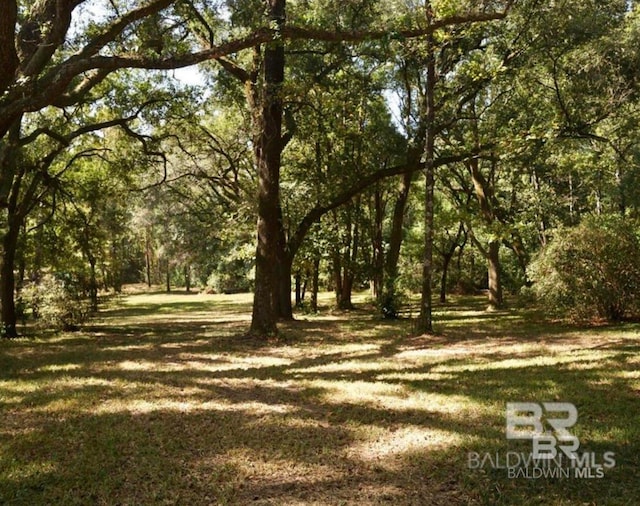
x: 162, y: 401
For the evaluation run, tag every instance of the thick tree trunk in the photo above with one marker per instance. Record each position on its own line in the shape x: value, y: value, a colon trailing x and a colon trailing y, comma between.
x: 11, y: 224
x: 7, y: 279
x: 344, y: 302
x: 267, y: 109
x: 495, y: 285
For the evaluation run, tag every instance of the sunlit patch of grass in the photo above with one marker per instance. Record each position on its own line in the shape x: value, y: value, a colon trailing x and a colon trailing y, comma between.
x: 386, y: 447
x: 162, y: 401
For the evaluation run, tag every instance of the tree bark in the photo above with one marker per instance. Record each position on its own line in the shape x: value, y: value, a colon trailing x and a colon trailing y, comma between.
x: 93, y: 284
x: 377, y: 245
x: 315, y: 279
x: 349, y: 259
x: 337, y: 276
x: 12, y: 220
x: 495, y: 285
x: 187, y: 278
x: 298, y: 278
x: 7, y: 279
x: 283, y: 305
x: 425, y: 323
x: 268, y: 151
x: 148, y: 256
x: 168, y: 276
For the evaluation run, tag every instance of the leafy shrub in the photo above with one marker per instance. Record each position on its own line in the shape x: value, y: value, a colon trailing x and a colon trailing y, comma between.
x: 56, y: 302
x: 591, y: 270
x: 234, y: 273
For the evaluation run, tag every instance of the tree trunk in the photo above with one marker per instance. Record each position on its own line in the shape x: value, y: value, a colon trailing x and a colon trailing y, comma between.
x: 315, y: 278
x: 397, y: 226
x: 443, y: 278
x: 148, y: 257
x: 298, y: 278
x: 303, y: 292
x: 350, y: 259
x: 447, y: 256
x: 495, y: 285
x: 187, y: 278
x: 11, y: 224
x: 337, y: 276
x: 377, y: 246
x: 425, y: 323
x: 93, y: 284
x: 344, y: 302
x: 7, y: 279
x: 267, y: 118
x: 168, y: 277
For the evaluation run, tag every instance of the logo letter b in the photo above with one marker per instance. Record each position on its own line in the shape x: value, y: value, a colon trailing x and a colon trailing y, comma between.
x: 531, y: 418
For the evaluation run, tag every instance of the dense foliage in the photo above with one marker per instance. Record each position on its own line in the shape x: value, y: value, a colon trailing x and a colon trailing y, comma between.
x: 591, y: 270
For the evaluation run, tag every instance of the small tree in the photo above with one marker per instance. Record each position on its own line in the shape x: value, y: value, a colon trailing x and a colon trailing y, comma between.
x: 590, y: 270
x: 57, y: 302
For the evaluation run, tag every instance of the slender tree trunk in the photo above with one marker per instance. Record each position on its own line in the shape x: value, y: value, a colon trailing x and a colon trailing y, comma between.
x: 303, y: 292
x: 495, y: 285
x: 377, y: 245
x: 187, y: 278
x: 337, y: 277
x: 22, y: 261
x: 315, y: 281
x: 268, y: 150
x: 168, y: 277
x: 397, y: 227
x: 447, y: 256
x: 148, y: 257
x: 93, y: 284
x: 446, y: 261
x: 298, y: 278
x: 425, y: 323
x: 350, y: 259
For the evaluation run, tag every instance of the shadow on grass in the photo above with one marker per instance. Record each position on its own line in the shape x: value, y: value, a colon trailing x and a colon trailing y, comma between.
x: 170, y: 406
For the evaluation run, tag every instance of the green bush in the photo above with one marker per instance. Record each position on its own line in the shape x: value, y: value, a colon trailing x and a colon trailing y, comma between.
x: 234, y: 273
x: 591, y: 270
x: 56, y: 302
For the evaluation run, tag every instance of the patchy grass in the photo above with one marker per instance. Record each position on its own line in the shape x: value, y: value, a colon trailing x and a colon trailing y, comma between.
x: 163, y: 401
